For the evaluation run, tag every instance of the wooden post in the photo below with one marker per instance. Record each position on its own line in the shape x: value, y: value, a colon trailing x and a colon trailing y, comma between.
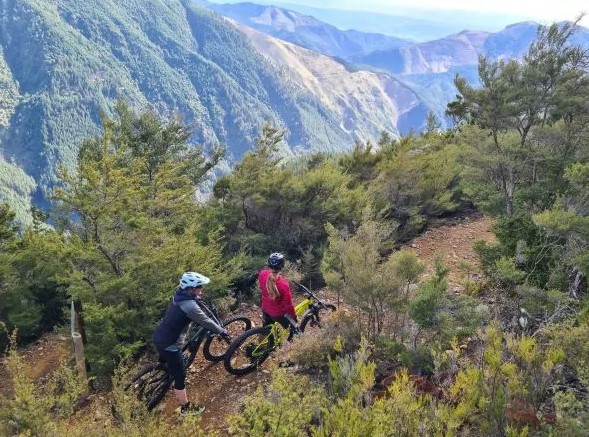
x: 78, y: 344
x: 80, y: 360
x: 73, y: 325
x: 78, y: 320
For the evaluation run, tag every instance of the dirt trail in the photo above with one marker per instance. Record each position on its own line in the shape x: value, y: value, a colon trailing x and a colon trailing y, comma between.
x: 455, y: 242
x: 41, y: 358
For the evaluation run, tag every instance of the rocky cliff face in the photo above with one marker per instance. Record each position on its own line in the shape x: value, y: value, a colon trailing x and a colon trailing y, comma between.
x: 366, y: 103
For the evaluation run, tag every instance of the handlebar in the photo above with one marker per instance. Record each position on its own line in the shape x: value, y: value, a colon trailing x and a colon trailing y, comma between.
x: 310, y: 294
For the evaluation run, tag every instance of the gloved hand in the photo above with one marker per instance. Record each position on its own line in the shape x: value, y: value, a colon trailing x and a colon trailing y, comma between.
x: 225, y: 335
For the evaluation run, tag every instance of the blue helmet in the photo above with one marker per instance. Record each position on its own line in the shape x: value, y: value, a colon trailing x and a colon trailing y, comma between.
x: 193, y: 280
x: 276, y: 261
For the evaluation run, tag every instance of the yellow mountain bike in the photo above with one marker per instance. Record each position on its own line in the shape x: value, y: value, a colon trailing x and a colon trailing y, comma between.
x: 250, y: 349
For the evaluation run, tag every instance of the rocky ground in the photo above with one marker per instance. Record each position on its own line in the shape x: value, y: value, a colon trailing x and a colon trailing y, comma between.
x: 454, y: 242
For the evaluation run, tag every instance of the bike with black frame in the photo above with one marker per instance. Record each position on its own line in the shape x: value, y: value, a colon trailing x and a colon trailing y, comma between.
x: 154, y: 380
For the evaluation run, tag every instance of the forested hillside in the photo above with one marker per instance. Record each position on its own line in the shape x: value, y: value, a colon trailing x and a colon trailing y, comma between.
x: 502, y: 353
x: 64, y: 62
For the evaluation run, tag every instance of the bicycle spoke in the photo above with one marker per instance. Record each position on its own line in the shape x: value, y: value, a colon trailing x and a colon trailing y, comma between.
x: 215, y: 347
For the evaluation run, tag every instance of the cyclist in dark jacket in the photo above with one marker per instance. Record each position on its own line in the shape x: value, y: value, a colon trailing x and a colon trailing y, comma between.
x: 182, y: 310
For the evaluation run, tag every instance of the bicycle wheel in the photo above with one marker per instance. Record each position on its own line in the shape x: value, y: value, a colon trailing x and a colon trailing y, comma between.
x: 151, y: 384
x: 214, y: 347
x: 249, y: 350
x: 312, y: 319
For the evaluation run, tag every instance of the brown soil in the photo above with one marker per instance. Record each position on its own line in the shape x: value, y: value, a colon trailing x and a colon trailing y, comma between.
x: 40, y: 358
x: 454, y: 241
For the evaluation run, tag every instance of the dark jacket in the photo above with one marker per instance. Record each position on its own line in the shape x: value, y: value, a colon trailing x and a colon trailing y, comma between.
x: 180, y: 312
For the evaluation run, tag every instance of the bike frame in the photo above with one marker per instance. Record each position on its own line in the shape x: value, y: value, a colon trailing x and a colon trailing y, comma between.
x: 277, y: 332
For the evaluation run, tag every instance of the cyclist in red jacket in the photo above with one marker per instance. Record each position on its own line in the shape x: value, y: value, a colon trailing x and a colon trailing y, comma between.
x: 277, y: 303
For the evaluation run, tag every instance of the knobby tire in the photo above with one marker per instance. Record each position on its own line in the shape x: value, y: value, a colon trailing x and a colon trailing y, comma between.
x: 236, y: 353
x: 214, y: 344
x: 151, y: 384
x: 311, y: 317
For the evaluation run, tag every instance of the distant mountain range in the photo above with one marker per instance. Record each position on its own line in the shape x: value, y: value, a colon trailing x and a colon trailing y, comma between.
x: 416, y: 22
x: 427, y: 68
x: 462, y: 49
x: 305, y: 30
x: 64, y: 62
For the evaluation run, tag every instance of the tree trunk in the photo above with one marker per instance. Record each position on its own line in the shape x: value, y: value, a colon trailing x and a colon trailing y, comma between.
x: 578, y: 283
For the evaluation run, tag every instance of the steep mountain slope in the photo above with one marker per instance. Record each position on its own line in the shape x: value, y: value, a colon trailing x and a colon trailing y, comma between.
x: 366, y: 103
x: 64, y: 61
x: 305, y: 30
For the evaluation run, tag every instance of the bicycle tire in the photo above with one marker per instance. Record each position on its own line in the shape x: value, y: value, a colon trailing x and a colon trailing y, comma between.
x: 233, y: 357
x: 309, y: 318
x: 215, y: 348
x: 151, y: 384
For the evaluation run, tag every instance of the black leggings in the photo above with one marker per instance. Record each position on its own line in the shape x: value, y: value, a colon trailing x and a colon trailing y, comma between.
x: 173, y: 358
x: 287, y: 322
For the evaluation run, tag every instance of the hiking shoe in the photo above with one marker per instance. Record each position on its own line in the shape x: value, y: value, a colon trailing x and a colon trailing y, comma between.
x: 190, y: 409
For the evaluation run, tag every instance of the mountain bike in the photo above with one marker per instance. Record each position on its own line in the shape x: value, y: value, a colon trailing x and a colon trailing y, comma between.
x: 253, y: 347
x: 152, y: 382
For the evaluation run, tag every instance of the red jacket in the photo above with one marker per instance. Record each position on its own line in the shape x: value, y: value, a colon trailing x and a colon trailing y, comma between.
x: 283, y: 304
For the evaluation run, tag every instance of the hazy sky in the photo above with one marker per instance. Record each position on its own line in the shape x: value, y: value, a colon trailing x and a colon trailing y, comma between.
x: 540, y: 10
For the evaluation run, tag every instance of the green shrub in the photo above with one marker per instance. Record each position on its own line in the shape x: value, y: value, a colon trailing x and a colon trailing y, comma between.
x: 286, y: 408
x: 338, y: 335
x: 294, y: 407
x: 387, y: 349
x: 36, y: 409
x: 49, y: 408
